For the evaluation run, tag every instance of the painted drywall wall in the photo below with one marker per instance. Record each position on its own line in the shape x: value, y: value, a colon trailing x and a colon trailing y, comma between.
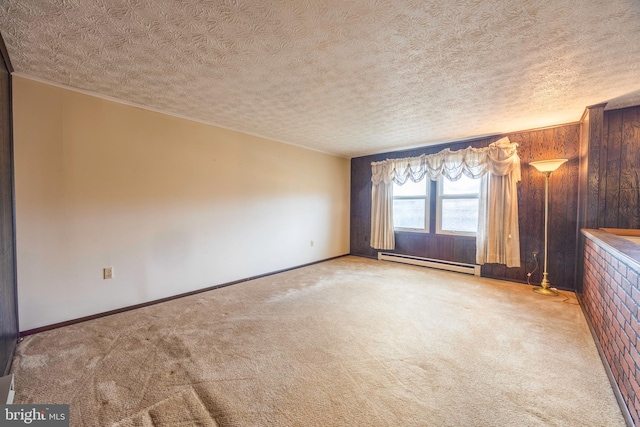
x: 172, y: 205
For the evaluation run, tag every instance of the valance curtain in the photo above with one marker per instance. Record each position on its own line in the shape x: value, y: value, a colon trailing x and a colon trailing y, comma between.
x: 498, y: 167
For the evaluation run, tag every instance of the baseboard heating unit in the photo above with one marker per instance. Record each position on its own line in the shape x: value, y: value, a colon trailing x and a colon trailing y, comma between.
x: 433, y: 263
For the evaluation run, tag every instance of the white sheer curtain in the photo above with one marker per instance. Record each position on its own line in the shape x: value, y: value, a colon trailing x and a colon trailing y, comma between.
x: 498, y: 165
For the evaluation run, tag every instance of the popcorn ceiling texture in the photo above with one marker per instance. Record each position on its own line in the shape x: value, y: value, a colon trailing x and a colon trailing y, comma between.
x: 350, y: 78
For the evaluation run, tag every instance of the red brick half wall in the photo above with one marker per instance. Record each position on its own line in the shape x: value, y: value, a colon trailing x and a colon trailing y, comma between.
x: 611, y: 301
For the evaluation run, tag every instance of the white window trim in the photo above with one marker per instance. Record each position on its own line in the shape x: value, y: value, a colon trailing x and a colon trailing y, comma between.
x: 439, y: 197
x: 427, y: 207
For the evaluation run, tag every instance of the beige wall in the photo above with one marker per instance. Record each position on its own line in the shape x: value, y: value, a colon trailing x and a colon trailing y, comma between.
x: 173, y: 205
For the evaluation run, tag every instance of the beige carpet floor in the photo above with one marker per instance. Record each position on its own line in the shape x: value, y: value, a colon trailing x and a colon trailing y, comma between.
x: 349, y: 342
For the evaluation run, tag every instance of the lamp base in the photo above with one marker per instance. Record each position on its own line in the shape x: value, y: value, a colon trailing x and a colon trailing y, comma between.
x: 545, y: 291
x: 545, y: 286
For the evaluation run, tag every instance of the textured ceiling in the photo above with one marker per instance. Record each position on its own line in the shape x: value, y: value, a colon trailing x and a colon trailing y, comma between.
x: 345, y: 77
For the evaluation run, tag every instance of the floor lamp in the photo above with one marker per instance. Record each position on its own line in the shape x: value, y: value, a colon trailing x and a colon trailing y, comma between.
x: 546, y: 167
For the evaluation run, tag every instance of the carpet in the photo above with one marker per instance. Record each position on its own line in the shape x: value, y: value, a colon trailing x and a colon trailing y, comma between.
x: 348, y: 342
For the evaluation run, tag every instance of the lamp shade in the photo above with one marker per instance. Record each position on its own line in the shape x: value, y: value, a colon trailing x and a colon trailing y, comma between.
x: 548, y: 165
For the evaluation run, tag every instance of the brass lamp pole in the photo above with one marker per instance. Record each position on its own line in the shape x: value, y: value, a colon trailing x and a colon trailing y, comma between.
x: 546, y: 167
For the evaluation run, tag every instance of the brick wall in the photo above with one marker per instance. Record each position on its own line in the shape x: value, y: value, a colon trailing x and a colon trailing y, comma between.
x: 611, y: 299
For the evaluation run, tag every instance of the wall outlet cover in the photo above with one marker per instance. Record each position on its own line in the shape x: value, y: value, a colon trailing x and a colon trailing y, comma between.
x: 107, y: 273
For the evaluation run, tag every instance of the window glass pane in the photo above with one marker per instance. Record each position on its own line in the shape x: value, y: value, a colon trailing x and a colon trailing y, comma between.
x: 410, y: 188
x: 459, y: 215
x: 409, y: 213
x: 464, y: 185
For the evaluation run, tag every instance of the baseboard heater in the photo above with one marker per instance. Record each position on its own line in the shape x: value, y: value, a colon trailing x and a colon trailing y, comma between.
x: 433, y: 263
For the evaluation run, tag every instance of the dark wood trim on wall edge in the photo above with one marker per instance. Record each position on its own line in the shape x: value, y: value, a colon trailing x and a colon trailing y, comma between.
x: 7, y: 368
x: 158, y: 301
x: 5, y: 55
x: 607, y: 368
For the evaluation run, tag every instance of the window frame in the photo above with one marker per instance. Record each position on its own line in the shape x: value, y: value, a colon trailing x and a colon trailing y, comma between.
x: 427, y: 208
x: 440, y: 196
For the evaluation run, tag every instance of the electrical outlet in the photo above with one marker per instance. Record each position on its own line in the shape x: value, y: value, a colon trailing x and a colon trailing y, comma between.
x: 312, y: 243
x: 107, y: 273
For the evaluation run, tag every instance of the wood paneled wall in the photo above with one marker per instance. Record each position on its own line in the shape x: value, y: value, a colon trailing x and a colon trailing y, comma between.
x: 618, y: 190
x: 557, y: 142
x: 609, y: 173
x: 583, y: 188
x: 8, y: 295
x: 593, y: 143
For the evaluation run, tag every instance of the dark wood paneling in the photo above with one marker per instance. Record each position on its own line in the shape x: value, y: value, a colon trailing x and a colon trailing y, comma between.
x: 610, y: 172
x: 557, y: 142
x: 603, y: 175
x: 437, y: 246
x: 595, y: 146
x: 8, y: 296
x: 361, y: 206
x: 530, y: 206
x: 581, y: 214
x: 562, y: 141
x: 628, y: 216
x: 613, y: 172
x: 610, y: 176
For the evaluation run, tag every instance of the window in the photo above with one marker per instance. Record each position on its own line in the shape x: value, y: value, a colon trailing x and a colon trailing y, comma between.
x: 457, y: 206
x: 411, y: 206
